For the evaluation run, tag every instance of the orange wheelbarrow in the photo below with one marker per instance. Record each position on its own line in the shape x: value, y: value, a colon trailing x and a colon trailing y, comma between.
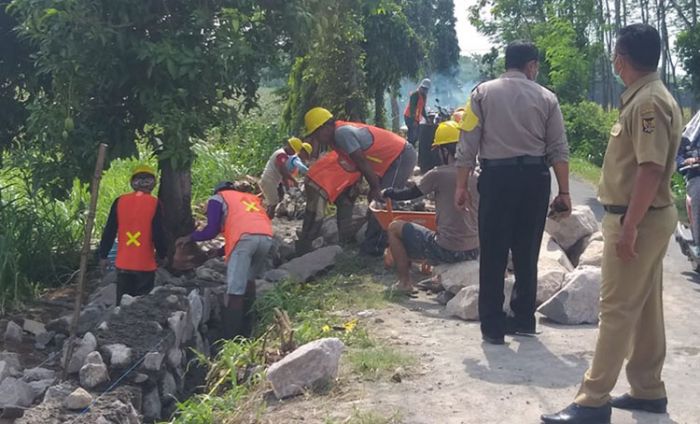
x: 388, y: 215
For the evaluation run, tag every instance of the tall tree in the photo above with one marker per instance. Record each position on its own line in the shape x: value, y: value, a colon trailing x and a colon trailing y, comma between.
x: 165, y: 70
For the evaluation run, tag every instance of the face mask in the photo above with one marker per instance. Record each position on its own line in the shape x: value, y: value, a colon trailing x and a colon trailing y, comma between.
x: 618, y: 78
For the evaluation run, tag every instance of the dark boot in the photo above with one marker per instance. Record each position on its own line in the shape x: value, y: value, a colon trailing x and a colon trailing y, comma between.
x: 577, y: 414
x: 249, y: 310
x: 656, y: 406
x: 232, y: 317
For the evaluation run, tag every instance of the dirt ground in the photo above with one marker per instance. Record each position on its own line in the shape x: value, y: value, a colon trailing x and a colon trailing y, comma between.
x: 459, y: 380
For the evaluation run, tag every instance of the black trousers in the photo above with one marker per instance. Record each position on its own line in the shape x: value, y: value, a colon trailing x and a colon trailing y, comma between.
x: 512, y: 212
x: 134, y: 283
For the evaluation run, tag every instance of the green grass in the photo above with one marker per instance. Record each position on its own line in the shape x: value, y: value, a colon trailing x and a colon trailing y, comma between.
x: 584, y: 169
x: 368, y: 417
x: 377, y: 362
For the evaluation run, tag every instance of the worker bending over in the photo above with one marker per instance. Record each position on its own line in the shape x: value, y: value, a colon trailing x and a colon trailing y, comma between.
x: 136, y: 220
x: 247, y: 230
x: 457, y: 236
x: 382, y: 157
x: 280, y: 169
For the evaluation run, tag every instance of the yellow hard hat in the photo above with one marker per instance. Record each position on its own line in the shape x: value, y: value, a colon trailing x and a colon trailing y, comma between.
x: 446, y: 133
x: 307, y: 147
x: 295, y: 144
x: 314, y: 118
x: 143, y: 169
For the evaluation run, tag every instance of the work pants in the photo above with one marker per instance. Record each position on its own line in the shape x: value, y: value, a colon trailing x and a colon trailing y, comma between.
x: 396, y: 176
x: 412, y: 130
x: 134, y: 283
x: 512, y: 211
x: 631, y: 312
x: 693, y: 190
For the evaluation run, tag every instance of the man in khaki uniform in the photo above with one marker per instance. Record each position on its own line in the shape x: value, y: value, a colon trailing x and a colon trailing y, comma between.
x: 635, y: 190
x: 516, y: 128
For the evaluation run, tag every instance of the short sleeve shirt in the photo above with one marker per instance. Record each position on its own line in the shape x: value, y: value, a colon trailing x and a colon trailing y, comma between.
x: 457, y: 230
x: 350, y: 139
x: 647, y: 131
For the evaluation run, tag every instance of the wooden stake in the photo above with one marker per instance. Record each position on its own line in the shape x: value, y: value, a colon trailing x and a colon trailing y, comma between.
x: 94, y: 191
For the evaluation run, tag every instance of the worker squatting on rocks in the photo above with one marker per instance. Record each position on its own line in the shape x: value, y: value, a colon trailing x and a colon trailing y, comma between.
x: 457, y: 235
x: 383, y: 158
x: 135, y: 219
x: 516, y: 128
x: 279, y: 172
x: 247, y: 231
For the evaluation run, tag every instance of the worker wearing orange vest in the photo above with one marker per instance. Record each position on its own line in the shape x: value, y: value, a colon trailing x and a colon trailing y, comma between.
x: 414, y: 113
x: 135, y: 219
x: 240, y: 216
x: 382, y: 157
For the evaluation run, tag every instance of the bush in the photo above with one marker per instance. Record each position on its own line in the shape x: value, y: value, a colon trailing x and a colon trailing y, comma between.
x: 40, y: 239
x: 588, y: 129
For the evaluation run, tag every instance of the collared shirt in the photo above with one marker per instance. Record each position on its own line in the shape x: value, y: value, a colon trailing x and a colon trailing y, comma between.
x: 647, y: 131
x: 512, y: 116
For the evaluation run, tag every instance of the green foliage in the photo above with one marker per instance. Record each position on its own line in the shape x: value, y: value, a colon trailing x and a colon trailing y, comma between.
x: 568, y: 65
x: 40, y: 239
x: 373, y: 363
x: 588, y: 128
x: 688, y: 45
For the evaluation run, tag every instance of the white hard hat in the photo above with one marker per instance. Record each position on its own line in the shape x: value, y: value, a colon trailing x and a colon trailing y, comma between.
x: 425, y: 83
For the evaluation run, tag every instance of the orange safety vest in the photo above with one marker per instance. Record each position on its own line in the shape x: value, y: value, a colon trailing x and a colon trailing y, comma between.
x: 332, y: 175
x: 419, y: 107
x: 245, y: 214
x: 385, y: 148
x: 135, y: 248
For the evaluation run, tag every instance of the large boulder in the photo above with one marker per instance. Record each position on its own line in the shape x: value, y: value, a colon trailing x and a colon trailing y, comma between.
x: 465, y: 304
x: 78, y: 399
x: 566, y: 232
x: 577, y: 302
x: 551, y: 254
x: 15, y: 392
x: 80, y: 351
x: 118, y: 354
x: 549, y: 281
x: 593, y: 255
x: 454, y: 277
x: 311, y: 366
x: 33, y: 327
x: 94, y: 372
x: 306, y: 267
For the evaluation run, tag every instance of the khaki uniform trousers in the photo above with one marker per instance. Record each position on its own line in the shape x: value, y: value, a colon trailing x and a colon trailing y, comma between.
x: 631, y: 322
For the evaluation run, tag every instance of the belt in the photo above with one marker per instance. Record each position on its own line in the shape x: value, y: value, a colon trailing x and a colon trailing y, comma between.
x: 520, y: 160
x: 621, y: 210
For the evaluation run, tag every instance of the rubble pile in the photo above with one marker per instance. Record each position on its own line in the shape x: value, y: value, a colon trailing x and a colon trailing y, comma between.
x: 566, y: 294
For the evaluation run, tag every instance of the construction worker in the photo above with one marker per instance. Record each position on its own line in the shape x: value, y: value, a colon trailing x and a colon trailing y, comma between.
x: 457, y: 236
x: 415, y: 114
x: 382, y: 157
x: 237, y: 213
x: 516, y: 128
x: 635, y: 190
x: 135, y: 219
x: 280, y: 169
x: 330, y: 180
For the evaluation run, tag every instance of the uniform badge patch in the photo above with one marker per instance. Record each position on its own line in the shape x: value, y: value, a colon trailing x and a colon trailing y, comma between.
x: 648, y: 125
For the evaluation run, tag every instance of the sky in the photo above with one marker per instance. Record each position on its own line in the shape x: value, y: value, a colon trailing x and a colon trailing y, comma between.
x: 470, y: 41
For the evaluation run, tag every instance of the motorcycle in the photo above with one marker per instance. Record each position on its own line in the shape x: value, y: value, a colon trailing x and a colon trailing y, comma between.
x: 684, y: 232
x: 427, y: 157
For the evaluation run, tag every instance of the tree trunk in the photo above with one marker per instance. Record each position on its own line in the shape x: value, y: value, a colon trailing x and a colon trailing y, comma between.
x: 379, y: 110
x: 175, y: 195
x: 395, y: 114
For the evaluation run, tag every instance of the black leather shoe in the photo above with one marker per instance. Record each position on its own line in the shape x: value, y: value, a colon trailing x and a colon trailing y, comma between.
x: 577, y: 414
x: 657, y: 406
x: 514, y: 328
x: 493, y: 340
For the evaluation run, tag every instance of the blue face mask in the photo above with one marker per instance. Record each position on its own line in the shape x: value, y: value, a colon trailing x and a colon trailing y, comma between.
x: 618, y: 79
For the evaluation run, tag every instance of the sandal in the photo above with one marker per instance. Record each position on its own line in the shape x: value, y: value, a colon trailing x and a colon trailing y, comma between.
x: 396, y: 288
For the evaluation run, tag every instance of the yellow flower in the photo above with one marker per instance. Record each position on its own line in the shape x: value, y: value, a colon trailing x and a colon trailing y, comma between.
x: 326, y: 329
x: 350, y: 325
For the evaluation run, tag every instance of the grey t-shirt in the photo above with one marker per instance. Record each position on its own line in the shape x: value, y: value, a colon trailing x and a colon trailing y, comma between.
x: 457, y: 230
x: 350, y: 139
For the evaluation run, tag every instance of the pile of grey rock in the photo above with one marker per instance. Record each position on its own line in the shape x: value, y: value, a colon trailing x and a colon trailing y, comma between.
x: 569, y: 274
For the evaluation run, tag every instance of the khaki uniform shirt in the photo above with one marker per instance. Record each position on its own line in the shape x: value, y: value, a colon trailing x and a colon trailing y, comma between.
x: 512, y: 116
x: 648, y: 131
x: 457, y: 230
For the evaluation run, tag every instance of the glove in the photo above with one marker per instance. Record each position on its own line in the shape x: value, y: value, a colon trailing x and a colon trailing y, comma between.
x: 388, y: 193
